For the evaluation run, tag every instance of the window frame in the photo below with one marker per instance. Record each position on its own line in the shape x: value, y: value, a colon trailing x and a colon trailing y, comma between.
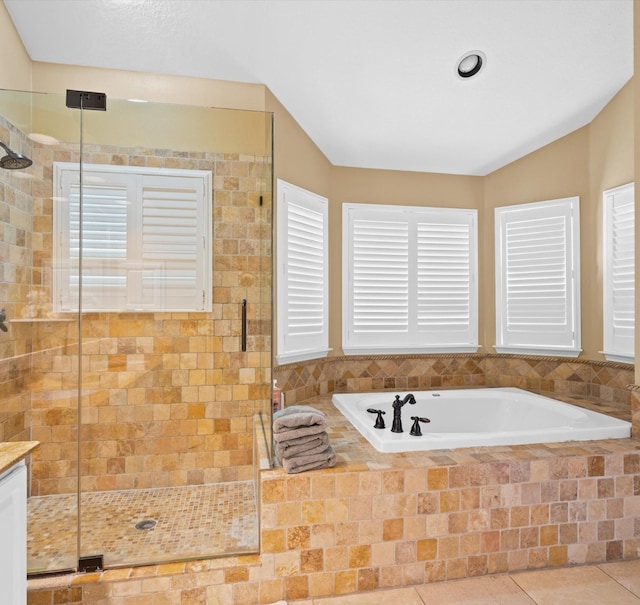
x: 412, y: 342
x: 293, y: 346
x: 507, y: 340
x: 132, y: 179
x: 614, y: 342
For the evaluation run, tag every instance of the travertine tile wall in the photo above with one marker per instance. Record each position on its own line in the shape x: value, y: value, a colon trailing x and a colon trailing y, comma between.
x: 351, y: 532
x: 14, y: 411
x: 605, y: 381
x: 16, y: 260
x: 635, y: 408
x: 168, y: 398
x: 16, y: 240
x: 429, y: 516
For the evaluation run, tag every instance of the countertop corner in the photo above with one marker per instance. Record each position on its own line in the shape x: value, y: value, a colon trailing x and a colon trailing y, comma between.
x: 14, y: 451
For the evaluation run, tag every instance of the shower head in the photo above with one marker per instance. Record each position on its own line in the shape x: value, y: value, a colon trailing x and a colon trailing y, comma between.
x: 13, y: 160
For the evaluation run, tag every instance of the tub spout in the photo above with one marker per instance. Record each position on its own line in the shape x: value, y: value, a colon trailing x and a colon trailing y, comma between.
x: 396, y: 427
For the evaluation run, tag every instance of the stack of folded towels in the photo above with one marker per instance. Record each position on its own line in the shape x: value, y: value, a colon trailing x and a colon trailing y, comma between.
x: 301, y: 440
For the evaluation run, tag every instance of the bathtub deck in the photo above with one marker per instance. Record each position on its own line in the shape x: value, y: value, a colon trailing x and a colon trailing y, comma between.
x: 355, y: 453
x: 430, y: 516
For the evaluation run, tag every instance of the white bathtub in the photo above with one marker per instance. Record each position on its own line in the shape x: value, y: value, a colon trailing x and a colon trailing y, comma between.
x: 472, y: 417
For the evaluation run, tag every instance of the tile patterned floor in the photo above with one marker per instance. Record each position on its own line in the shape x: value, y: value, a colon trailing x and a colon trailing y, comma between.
x: 191, y: 522
x: 603, y: 584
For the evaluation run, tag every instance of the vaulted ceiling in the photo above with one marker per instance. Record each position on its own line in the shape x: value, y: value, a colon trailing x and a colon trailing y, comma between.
x: 372, y: 82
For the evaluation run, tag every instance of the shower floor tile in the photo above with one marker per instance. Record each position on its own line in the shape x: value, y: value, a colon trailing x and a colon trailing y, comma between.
x: 190, y: 522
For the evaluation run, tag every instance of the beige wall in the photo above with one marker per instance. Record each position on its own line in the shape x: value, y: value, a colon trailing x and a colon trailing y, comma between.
x: 223, y: 129
x: 585, y: 163
x: 297, y: 159
x: 15, y: 67
x: 611, y: 158
x: 557, y: 170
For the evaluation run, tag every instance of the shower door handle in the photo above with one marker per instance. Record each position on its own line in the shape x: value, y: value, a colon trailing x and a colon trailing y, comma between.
x: 244, y: 324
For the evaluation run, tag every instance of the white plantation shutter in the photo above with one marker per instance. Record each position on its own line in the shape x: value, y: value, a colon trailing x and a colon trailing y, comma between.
x: 445, y: 276
x: 305, y: 269
x: 380, y: 272
x: 302, y: 247
x: 619, y: 273
x: 409, y: 279
x: 146, y: 239
x: 104, y: 248
x: 537, y: 278
x: 172, y: 247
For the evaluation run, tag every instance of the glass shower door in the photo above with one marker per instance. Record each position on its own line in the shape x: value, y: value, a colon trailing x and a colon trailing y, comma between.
x: 39, y: 360
x: 139, y: 378
x: 175, y: 245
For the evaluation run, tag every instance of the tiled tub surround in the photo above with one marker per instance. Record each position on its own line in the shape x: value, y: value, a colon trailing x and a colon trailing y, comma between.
x: 606, y: 382
x: 602, y: 380
x: 379, y: 520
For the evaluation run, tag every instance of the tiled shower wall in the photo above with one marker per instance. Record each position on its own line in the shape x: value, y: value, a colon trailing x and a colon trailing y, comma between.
x: 605, y: 381
x: 14, y: 411
x: 168, y: 398
x: 16, y: 260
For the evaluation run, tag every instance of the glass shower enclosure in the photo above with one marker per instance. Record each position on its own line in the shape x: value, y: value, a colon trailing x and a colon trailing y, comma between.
x: 136, y: 289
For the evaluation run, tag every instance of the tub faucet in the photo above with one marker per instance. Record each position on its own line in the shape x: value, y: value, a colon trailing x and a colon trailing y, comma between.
x: 396, y: 427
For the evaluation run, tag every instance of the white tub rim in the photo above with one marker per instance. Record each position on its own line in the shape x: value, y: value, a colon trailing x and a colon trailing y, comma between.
x: 584, y: 424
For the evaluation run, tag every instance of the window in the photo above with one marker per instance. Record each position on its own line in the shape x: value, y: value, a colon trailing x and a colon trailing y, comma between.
x: 409, y: 279
x: 537, y: 278
x: 146, y: 239
x: 302, y: 248
x: 619, y: 273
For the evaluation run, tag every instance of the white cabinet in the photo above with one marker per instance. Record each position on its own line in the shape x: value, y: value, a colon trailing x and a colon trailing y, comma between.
x: 13, y: 535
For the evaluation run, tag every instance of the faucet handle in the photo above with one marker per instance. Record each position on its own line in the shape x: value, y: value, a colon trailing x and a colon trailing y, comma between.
x: 379, y: 420
x: 415, y: 429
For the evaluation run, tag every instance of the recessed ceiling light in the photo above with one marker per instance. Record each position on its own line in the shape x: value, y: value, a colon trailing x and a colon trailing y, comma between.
x: 470, y: 64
